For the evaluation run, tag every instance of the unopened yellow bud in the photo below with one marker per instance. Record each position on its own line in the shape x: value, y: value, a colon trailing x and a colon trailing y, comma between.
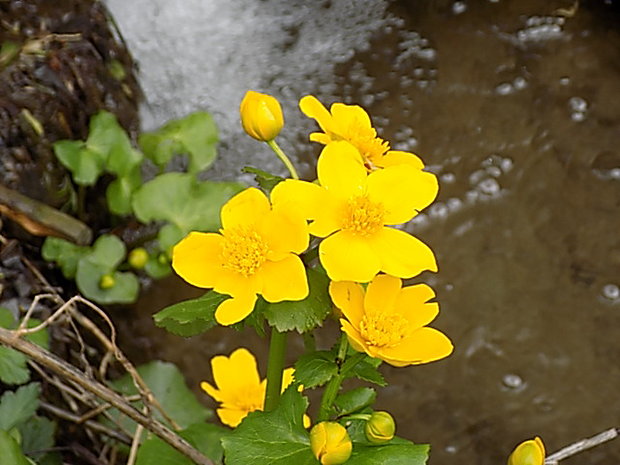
x: 530, y: 452
x: 261, y: 116
x: 330, y: 443
x: 138, y: 258
x: 107, y: 281
x: 380, y: 428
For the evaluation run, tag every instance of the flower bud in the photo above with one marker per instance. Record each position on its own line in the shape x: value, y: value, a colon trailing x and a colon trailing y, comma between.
x: 530, y: 452
x: 107, y: 281
x: 138, y: 258
x: 261, y: 116
x: 380, y: 428
x: 330, y: 443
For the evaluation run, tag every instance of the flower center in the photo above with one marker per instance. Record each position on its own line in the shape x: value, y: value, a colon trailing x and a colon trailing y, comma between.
x: 362, y: 216
x: 244, y: 251
x: 250, y: 399
x: 381, y: 330
x: 365, y: 139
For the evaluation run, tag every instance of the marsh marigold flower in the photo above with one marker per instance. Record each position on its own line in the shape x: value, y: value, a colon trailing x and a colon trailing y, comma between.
x: 380, y: 427
x: 388, y: 321
x: 351, y: 123
x: 255, y: 253
x: 530, y: 452
x: 239, y: 387
x: 330, y: 443
x: 353, y: 210
x: 261, y: 116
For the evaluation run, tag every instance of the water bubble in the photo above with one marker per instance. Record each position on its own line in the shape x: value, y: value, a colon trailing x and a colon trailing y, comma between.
x: 578, y: 104
x: 505, y: 88
x: 513, y: 381
x: 489, y: 186
x: 454, y: 204
x: 458, y: 8
x: 611, y: 291
x: 451, y: 449
x: 438, y: 210
x: 448, y: 178
x: 506, y: 164
x: 493, y: 171
x: 519, y: 83
x: 565, y: 81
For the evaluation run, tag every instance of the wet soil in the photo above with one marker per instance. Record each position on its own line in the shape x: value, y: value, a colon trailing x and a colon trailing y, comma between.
x: 514, y: 105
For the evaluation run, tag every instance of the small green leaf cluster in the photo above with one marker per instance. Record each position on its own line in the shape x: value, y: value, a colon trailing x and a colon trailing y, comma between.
x: 24, y: 435
x: 176, y: 202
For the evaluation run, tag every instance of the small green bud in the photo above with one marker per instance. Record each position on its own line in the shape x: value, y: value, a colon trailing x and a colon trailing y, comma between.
x: 530, y: 452
x: 107, y: 281
x: 163, y: 258
x: 138, y: 258
x: 330, y: 443
x: 380, y: 428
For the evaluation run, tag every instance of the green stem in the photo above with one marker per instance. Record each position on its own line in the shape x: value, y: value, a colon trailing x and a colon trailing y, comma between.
x: 282, y: 156
x: 275, y: 366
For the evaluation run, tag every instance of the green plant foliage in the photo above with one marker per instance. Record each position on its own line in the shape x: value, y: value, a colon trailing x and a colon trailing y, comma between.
x: 37, y: 436
x: 367, y: 370
x: 272, y: 438
x: 107, y: 253
x: 355, y: 400
x: 303, y: 315
x: 169, y: 388
x: 196, y: 135
x: 11, y: 452
x: 119, y: 192
x: 315, y: 368
x: 85, y: 165
x: 190, y: 317
x: 205, y: 437
x: 265, y: 180
x: 64, y: 253
x: 19, y: 405
x: 180, y: 199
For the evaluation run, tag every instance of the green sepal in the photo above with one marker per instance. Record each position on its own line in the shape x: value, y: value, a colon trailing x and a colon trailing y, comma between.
x: 190, y: 317
x: 265, y: 180
x: 272, y: 438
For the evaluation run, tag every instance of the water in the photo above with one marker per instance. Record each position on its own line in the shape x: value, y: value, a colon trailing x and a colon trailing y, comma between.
x: 513, y: 104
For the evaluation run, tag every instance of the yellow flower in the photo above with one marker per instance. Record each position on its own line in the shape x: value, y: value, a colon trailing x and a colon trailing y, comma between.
x: 389, y: 322
x: 330, y: 443
x: 530, y: 452
x: 351, y: 209
x: 261, y: 116
x: 239, y: 387
x: 351, y: 123
x: 254, y: 253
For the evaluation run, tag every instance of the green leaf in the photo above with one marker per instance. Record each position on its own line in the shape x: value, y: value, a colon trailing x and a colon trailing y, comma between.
x: 107, y: 251
x: 85, y: 165
x: 306, y: 314
x: 183, y: 201
x: 190, y: 317
x: 169, y: 235
x: 88, y: 278
x: 396, y: 452
x: 19, y: 405
x: 37, y: 435
x: 367, y: 370
x: 315, y: 368
x: 196, y: 135
x: 205, y: 437
x: 265, y: 180
x: 13, y: 366
x: 120, y: 191
x: 169, y: 388
x: 355, y: 400
x: 272, y: 438
x: 104, y: 133
x: 11, y: 452
x: 64, y: 253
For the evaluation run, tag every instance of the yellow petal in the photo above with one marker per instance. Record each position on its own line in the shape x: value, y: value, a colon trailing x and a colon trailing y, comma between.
x: 422, y: 346
x: 349, y: 298
x: 235, y: 284
x: 231, y: 416
x: 233, y: 374
x: 381, y: 293
x: 347, y: 257
x: 247, y: 207
x: 303, y: 197
x: 320, y: 137
x: 197, y: 258
x: 396, y: 157
x: 312, y: 108
x: 403, y: 190
x: 329, y: 218
x: 341, y: 170
x: 284, y: 280
x: 412, y: 304
x: 284, y: 232
x: 235, y: 309
x: 355, y: 338
x: 401, y: 254
x: 212, y: 391
x: 350, y: 116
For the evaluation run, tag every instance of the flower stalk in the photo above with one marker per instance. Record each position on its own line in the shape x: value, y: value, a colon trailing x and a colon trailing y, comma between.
x: 275, y: 366
x: 282, y: 156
